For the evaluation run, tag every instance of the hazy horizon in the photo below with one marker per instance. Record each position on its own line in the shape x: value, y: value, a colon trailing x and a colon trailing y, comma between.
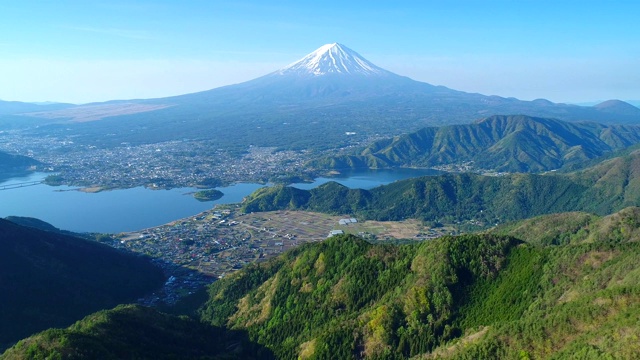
x: 81, y: 52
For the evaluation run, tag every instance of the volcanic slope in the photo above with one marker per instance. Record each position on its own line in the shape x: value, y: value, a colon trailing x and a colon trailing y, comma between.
x: 332, y: 91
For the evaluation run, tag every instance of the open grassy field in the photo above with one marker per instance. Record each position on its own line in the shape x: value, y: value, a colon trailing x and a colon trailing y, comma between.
x: 307, y: 226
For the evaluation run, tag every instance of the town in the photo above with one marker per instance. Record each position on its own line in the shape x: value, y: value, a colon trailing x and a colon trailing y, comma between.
x: 164, y: 165
x: 181, y: 163
x: 197, y: 250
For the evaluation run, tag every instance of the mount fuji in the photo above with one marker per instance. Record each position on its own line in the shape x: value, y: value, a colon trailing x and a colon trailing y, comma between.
x: 333, y: 72
x: 332, y: 91
x: 333, y: 59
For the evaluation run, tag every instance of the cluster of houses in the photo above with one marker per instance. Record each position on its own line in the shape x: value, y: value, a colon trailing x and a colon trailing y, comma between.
x: 160, y: 165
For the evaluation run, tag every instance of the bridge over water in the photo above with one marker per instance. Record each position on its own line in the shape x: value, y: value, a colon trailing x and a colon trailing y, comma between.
x: 19, y: 185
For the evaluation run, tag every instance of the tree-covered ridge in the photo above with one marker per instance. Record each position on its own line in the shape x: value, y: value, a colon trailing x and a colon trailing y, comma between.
x: 346, y: 298
x: 570, y: 290
x: 575, y: 228
x: 48, y: 279
x: 585, y: 294
x: 607, y: 187
x: 14, y: 164
x: 136, y: 332
x: 514, y: 143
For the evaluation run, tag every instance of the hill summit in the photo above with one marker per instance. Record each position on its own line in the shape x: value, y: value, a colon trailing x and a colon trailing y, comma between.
x: 617, y: 107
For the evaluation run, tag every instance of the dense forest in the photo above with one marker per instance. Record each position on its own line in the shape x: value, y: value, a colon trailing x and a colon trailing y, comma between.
x: 602, y: 189
x: 49, y: 279
x: 15, y: 165
x: 556, y: 286
x: 347, y: 298
x: 571, y: 289
x: 136, y: 332
x: 513, y: 143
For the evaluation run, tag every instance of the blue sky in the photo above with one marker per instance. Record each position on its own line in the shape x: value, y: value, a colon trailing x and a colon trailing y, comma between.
x: 84, y: 51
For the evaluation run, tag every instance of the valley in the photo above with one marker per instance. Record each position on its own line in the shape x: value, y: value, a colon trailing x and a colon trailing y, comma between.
x: 218, y: 242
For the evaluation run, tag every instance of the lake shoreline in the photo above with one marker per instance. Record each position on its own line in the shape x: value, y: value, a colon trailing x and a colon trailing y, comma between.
x: 113, y: 210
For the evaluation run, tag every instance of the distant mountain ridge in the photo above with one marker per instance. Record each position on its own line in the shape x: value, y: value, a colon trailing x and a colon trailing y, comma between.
x: 602, y: 189
x: 331, y: 91
x: 502, y: 143
x: 17, y: 107
x: 617, y: 107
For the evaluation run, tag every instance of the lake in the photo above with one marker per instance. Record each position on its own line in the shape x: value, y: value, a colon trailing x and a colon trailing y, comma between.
x: 138, y: 208
x: 368, y: 178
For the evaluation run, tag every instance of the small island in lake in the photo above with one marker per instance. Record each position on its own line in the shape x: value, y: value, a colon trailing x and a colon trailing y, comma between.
x: 208, y: 195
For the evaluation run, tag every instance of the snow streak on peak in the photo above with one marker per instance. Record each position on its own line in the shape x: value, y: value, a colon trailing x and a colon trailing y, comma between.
x: 332, y: 59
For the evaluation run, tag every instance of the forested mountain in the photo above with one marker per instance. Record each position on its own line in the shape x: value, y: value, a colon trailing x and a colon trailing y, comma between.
x: 602, y: 189
x: 50, y: 280
x: 33, y: 223
x: 549, y: 287
x: 332, y: 91
x: 11, y: 165
x: 135, y: 332
x: 513, y: 143
x: 345, y: 298
x: 494, y: 296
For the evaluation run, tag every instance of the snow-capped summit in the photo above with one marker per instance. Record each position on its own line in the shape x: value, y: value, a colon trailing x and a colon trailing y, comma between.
x: 332, y: 59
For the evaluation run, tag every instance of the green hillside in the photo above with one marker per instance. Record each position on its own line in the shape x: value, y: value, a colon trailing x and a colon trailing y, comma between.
x: 557, y: 286
x: 345, y: 297
x: 586, y: 294
x: 135, y: 332
x: 602, y: 189
x: 514, y: 143
x: 470, y: 297
x: 48, y: 279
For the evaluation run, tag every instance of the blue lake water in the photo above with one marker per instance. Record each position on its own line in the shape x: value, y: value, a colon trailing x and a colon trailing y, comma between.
x: 368, y: 178
x: 138, y: 208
